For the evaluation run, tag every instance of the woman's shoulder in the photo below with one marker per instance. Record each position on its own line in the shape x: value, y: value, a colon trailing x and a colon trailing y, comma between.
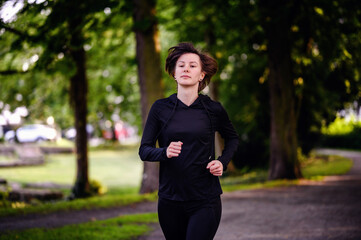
x: 168, y: 101
x: 212, y: 104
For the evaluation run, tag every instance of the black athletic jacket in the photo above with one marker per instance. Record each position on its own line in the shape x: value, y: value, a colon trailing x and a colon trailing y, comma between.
x: 185, y: 177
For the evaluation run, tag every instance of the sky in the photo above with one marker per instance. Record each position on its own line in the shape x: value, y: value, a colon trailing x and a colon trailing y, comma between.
x: 11, y: 7
x: 9, y: 10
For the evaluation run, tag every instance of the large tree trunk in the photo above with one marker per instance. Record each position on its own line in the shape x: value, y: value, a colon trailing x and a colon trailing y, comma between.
x: 149, y: 74
x: 283, y: 148
x: 78, y: 94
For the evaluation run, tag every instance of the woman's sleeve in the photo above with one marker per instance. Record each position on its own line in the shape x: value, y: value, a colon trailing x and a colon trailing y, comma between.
x: 147, y: 150
x: 230, y: 136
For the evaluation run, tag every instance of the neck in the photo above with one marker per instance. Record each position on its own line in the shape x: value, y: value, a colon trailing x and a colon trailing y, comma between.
x: 187, y: 95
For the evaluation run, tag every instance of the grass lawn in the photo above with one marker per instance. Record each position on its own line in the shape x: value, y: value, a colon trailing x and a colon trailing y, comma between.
x: 319, y: 166
x: 121, y: 228
x: 113, y: 168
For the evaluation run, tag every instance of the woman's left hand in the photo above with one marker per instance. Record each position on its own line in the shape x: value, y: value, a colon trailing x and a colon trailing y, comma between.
x: 215, y: 167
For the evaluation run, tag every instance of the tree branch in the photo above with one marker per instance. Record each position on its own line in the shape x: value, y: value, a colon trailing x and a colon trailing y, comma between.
x: 11, y: 72
x: 17, y: 32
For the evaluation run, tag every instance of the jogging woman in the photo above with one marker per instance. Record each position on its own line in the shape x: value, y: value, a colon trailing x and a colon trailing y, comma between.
x: 184, y: 124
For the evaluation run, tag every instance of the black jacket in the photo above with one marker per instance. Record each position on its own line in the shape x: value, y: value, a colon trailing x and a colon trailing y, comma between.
x: 185, y: 177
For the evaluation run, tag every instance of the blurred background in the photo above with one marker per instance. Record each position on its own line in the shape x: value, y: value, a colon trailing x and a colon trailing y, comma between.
x: 95, y: 67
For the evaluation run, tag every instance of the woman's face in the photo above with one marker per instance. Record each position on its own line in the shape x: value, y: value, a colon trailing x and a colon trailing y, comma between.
x: 188, y: 70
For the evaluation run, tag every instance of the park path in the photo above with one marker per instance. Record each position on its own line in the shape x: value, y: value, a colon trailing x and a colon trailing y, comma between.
x: 330, y: 209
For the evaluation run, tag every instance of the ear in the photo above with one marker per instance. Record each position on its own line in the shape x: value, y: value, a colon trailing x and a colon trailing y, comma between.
x: 203, y: 74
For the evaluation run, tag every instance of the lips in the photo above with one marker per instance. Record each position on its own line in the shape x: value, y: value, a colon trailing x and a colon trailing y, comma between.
x: 185, y: 76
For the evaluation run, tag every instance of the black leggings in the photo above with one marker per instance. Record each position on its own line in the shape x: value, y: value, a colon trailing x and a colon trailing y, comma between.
x: 189, y: 220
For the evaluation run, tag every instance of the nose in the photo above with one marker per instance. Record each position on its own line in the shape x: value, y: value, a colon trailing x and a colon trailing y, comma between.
x: 186, y: 69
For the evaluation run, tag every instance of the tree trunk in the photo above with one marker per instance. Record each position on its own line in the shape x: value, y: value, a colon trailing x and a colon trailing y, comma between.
x: 78, y: 94
x: 218, y: 140
x: 149, y: 74
x: 283, y: 148
x: 210, y: 40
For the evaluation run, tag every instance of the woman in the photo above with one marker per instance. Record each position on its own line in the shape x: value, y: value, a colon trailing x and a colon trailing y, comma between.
x: 184, y: 124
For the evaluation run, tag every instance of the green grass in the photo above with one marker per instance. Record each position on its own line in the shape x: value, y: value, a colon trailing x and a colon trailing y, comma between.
x: 314, y: 168
x: 106, y: 201
x: 4, y: 159
x: 113, y: 168
x: 61, y: 142
x: 121, y: 228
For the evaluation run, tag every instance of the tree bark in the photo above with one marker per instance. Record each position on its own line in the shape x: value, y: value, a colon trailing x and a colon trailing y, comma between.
x: 283, y: 148
x: 149, y: 74
x: 78, y: 95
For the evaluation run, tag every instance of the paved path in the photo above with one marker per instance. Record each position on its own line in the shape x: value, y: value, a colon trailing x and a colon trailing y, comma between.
x: 328, y: 210
x: 311, y: 211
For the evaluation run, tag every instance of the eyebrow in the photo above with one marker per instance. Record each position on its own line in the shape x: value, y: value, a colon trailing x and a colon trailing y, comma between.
x: 189, y: 62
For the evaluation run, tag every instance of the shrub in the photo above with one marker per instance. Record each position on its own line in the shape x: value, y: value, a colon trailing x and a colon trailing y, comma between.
x: 342, y: 134
x: 350, y: 140
x: 96, y: 188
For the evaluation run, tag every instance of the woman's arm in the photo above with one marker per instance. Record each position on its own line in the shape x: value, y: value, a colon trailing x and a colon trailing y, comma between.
x: 230, y: 136
x: 147, y: 150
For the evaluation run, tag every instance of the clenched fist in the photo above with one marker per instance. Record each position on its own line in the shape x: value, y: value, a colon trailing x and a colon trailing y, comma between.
x: 215, y: 167
x: 174, y: 149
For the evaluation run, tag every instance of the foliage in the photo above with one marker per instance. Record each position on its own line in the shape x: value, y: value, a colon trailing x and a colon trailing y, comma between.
x: 37, y: 66
x: 342, y: 133
x: 4, y: 194
x: 123, y: 228
x: 231, y: 31
x: 351, y: 140
x: 341, y: 126
x: 96, y: 188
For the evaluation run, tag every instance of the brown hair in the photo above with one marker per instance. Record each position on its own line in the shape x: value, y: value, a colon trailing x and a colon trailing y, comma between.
x: 208, y: 64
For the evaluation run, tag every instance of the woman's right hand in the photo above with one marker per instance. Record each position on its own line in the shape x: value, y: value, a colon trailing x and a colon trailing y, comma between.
x: 174, y: 149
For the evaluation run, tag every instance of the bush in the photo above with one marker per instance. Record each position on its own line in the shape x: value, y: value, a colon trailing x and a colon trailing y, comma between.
x: 351, y: 140
x: 96, y: 188
x: 342, y: 134
x: 4, y: 195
